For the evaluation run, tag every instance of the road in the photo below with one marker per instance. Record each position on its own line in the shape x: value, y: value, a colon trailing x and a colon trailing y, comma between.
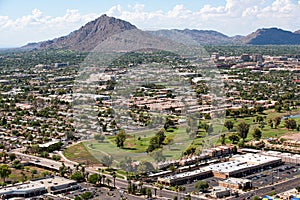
x: 120, y: 183
x: 279, y: 187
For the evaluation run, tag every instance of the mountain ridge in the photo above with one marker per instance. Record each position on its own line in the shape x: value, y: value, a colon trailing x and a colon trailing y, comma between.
x: 269, y: 36
x: 96, y: 31
x: 85, y: 38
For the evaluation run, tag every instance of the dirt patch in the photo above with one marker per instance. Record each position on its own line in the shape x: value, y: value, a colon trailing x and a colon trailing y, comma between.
x: 291, y: 136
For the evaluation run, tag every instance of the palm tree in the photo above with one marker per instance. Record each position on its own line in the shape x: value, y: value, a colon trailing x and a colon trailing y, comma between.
x: 114, y: 175
x: 99, y: 178
x: 103, y: 178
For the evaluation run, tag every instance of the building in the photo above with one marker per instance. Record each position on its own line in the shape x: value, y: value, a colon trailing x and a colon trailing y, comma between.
x: 239, y: 165
x: 182, y: 178
x: 49, y: 144
x: 245, y: 57
x: 257, y: 58
x: 53, y: 185
x: 236, y: 183
x: 220, y: 192
x: 215, y: 56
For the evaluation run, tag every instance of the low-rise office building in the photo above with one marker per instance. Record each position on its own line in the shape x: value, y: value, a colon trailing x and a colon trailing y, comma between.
x: 53, y: 185
x: 182, y: 178
x: 236, y: 183
x: 238, y: 166
x: 220, y: 192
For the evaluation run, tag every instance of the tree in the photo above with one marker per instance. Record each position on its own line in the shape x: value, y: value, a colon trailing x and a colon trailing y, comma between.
x: 243, y: 129
x: 44, y: 154
x: 190, y: 150
x: 223, y: 139
x: 77, y: 176
x: 270, y: 122
x: 298, y: 188
x: 4, y: 171
x: 256, y: 198
x: 114, y: 175
x: 259, y: 108
x: 120, y: 139
x: 257, y: 134
x: 63, y: 170
x: 94, y: 179
x: 172, y: 168
x: 86, y: 195
x: 290, y: 124
x: 12, y: 156
x: 228, y: 125
x: 169, y: 122
x: 161, y: 136
x: 145, y: 167
x: 126, y: 164
x: 156, y: 141
x: 201, y: 185
x: 277, y: 121
x: 107, y: 160
x: 234, y: 138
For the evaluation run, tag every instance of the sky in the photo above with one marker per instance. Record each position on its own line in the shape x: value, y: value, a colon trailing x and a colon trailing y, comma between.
x: 27, y: 21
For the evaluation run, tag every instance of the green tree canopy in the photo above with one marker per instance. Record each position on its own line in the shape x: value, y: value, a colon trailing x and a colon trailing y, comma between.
x: 77, y: 176
x: 201, y: 185
x: 4, y: 171
x: 120, y: 138
x: 94, y: 178
x: 243, y: 129
x: 228, y: 125
x: 257, y: 134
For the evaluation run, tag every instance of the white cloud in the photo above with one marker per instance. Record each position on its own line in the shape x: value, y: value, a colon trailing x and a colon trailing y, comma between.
x: 37, y: 27
x: 235, y: 17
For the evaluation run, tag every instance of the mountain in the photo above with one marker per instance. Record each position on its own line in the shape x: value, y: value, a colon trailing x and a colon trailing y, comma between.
x: 88, y: 36
x: 95, y: 32
x: 272, y: 36
x: 200, y: 37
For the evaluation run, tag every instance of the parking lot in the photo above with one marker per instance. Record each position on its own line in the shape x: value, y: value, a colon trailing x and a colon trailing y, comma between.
x: 259, y: 179
x: 273, y: 175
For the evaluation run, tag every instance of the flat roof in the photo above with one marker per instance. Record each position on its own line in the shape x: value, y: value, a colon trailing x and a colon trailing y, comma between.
x: 36, y: 185
x: 251, y: 158
x: 45, y: 145
x: 187, y: 174
x: 233, y: 180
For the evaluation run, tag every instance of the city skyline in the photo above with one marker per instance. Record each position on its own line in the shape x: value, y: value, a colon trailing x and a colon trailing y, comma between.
x: 33, y: 21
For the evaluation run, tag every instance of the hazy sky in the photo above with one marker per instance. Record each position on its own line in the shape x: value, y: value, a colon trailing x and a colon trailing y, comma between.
x: 23, y: 21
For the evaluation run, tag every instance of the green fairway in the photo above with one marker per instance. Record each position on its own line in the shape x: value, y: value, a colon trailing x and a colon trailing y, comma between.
x: 137, y: 142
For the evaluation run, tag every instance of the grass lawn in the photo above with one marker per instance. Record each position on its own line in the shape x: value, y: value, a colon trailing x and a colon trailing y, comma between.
x: 137, y: 142
x: 267, y: 131
x: 80, y: 154
x: 135, y: 147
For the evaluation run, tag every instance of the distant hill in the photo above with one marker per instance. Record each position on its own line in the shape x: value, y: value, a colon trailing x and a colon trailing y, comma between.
x: 200, y: 37
x: 93, y: 33
x: 272, y: 36
x: 88, y: 36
